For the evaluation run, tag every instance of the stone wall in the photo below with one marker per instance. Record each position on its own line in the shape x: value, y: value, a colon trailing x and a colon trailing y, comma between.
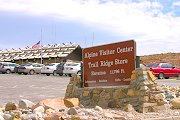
x: 141, y: 95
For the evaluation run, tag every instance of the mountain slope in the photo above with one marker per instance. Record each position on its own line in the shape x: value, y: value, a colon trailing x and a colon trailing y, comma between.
x: 173, y: 58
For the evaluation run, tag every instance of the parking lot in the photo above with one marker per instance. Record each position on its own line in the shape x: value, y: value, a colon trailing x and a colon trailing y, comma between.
x: 38, y: 87
x: 32, y: 87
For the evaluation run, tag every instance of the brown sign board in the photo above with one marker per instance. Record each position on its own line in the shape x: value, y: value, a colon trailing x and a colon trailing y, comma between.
x: 109, y: 65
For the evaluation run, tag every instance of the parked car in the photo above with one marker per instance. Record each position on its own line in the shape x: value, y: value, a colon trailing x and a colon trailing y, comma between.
x: 164, y: 70
x: 59, y: 68
x: 30, y: 68
x: 7, y: 67
x: 49, y: 69
x: 70, y: 68
x: 142, y: 66
x: 16, y: 68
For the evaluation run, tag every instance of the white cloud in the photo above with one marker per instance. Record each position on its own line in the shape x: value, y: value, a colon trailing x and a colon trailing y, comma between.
x: 176, y: 3
x: 143, y: 21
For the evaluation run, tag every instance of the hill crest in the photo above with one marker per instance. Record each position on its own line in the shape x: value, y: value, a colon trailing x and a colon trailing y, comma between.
x: 173, y: 58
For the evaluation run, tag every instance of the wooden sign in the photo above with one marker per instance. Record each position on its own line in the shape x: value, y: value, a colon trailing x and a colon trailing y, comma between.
x: 109, y: 65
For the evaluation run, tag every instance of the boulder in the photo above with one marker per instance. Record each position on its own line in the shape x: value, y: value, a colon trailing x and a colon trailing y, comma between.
x: 71, y: 102
x: 72, y: 111
x: 25, y: 104
x: 176, y: 103
x: 10, y: 106
x: 39, y: 109
x: 55, y: 104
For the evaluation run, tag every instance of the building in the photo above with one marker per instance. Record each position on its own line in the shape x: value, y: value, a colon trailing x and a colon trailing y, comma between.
x: 46, y: 54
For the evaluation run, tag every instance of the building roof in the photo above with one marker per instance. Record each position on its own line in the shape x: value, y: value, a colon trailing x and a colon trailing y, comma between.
x: 46, y: 51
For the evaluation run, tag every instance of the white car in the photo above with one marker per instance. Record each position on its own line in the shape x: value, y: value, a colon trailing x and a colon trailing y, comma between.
x: 49, y: 69
x: 72, y: 68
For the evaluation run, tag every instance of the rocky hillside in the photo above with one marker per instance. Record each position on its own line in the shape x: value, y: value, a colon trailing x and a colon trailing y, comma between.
x: 173, y: 58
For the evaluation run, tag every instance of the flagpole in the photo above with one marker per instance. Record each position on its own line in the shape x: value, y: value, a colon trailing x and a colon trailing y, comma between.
x: 41, y: 47
x: 93, y: 39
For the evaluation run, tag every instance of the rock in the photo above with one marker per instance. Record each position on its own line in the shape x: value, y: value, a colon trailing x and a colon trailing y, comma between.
x: 169, y: 96
x: 133, y: 77
x: 69, y: 89
x: 17, y: 114
x: 55, y: 104
x: 108, y: 115
x: 81, y: 106
x: 118, y: 117
x: 160, y: 99
x: 1, y: 118
x: 165, y: 88
x: 1, y: 113
x: 98, y: 108
x: 29, y: 117
x: 151, y: 76
x: 26, y: 111
x: 72, y: 111
x: 176, y: 103
x: 159, y: 96
x: 130, y: 92
x: 39, y: 109
x: 158, y: 88
x: 10, y: 106
x: 2, y: 109
x: 144, y: 88
x: 76, y: 118
x: 7, y: 117
x: 129, y: 108
x: 25, y: 104
x: 112, y: 104
x: 49, y: 111
x: 54, y: 116
x: 71, y: 102
x: 102, y: 103
x: 86, y: 93
x: 39, y: 115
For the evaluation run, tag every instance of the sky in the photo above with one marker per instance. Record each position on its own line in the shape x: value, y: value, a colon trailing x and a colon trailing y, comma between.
x: 153, y: 24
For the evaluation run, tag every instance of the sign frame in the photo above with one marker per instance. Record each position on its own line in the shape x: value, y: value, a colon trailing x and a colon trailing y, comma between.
x: 108, y: 51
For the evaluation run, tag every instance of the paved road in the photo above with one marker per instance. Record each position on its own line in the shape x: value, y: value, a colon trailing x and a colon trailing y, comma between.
x: 169, y: 82
x: 38, y: 87
x: 32, y: 87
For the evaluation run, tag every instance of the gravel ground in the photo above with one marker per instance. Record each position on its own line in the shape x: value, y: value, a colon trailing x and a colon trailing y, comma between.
x: 116, y: 114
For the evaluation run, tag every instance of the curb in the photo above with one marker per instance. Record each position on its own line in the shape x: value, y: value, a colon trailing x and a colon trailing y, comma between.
x: 166, y: 118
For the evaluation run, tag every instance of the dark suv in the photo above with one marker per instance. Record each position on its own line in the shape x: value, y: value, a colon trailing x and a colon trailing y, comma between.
x: 59, y: 69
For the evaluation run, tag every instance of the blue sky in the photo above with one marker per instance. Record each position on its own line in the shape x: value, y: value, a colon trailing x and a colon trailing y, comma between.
x: 153, y: 24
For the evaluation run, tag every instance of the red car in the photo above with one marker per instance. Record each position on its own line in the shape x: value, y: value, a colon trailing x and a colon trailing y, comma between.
x: 164, y: 70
